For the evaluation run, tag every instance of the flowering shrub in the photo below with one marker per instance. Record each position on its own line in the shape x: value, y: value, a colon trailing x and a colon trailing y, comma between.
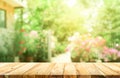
x: 33, y: 34
x: 27, y: 44
x: 19, y: 41
x: 110, y: 54
x: 88, y: 48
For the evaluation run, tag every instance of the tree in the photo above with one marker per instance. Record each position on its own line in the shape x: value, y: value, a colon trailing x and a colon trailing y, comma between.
x: 107, y: 24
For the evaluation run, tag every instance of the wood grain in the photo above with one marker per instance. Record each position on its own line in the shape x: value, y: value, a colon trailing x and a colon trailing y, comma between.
x: 45, y: 70
x: 70, y: 71
x: 59, y: 70
x: 21, y: 70
x: 9, y: 67
x: 108, y: 73
x: 1, y: 76
x: 81, y: 71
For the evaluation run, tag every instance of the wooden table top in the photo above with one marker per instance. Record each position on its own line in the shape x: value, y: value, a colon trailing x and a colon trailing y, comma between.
x: 59, y: 70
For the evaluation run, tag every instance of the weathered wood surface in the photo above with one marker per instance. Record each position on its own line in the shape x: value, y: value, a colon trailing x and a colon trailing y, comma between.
x: 59, y: 70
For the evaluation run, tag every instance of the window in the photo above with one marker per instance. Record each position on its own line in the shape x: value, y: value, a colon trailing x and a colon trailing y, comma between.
x: 2, y: 18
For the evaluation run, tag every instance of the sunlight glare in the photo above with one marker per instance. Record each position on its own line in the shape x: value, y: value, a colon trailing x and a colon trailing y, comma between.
x: 70, y: 3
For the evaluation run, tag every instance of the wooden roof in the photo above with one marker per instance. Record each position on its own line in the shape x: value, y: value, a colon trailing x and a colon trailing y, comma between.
x: 14, y: 3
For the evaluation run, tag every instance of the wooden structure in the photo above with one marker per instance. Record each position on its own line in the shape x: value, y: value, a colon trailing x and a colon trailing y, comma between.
x: 8, y: 6
x: 59, y: 70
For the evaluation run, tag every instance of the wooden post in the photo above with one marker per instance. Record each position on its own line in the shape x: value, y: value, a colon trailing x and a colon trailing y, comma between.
x: 49, y: 45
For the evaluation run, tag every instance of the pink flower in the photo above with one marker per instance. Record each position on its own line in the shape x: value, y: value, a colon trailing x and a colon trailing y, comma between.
x: 33, y: 34
x: 69, y: 48
x: 105, y: 50
x: 100, y: 41
x: 118, y: 54
x: 87, y: 49
x: 113, y: 51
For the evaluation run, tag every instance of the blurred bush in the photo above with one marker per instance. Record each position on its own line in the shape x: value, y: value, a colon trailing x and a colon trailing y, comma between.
x: 91, y: 49
x: 59, y: 49
x: 42, y: 48
x: 7, y: 53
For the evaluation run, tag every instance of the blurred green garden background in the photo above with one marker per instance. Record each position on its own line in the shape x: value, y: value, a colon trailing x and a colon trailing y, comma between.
x: 85, y: 30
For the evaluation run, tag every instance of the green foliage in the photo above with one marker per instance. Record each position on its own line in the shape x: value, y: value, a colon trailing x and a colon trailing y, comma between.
x: 108, y: 22
x: 42, y: 52
x: 60, y: 48
x: 36, y: 47
x: 31, y: 41
x: 19, y: 33
x: 6, y: 46
x: 2, y: 18
x: 54, y: 15
x: 98, y: 17
x: 85, y: 47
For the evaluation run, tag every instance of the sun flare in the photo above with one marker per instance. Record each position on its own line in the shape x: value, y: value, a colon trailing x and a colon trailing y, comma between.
x: 70, y: 3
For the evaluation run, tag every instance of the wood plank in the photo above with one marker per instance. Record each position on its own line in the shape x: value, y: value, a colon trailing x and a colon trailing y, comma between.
x: 13, y: 76
x: 92, y: 69
x: 45, y: 70
x: 113, y: 67
x: 28, y: 76
x: 57, y: 71
x: 81, y: 71
x: 36, y: 70
x: 2, y: 76
x: 9, y: 67
x: 70, y: 71
x: 112, y: 76
x: 107, y: 71
x: 117, y: 64
x: 2, y: 64
x: 19, y: 73
x: 97, y: 76
x: 21, y: 70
